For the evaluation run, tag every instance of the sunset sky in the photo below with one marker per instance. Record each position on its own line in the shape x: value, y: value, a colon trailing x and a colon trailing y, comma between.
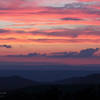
x: 50, y: 31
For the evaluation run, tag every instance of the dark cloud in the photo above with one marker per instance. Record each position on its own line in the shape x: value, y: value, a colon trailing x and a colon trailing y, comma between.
x: 82, y: 54
x: 4, y: 31
x: 6, y: 46
x: 35, y: 54
x: 69, y: 18
x: 88, y: 52
x: 29, y: 55
x: 64, y: 54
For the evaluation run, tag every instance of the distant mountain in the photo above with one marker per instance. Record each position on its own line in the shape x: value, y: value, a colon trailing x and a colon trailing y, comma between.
x: 15, y: 82
x: 63, y: 91
x: 90, y: 79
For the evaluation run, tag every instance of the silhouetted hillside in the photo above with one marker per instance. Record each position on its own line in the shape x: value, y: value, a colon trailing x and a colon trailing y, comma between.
x: 14, y: 82
x: 90, y: 79
x: 81, y: 88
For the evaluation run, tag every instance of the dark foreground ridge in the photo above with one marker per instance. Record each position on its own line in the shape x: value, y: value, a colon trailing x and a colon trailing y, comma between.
x: 79, y: 88
x: 14, y: 82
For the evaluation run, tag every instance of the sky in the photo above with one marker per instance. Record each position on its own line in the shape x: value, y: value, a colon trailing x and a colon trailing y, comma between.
x: 50, y: 31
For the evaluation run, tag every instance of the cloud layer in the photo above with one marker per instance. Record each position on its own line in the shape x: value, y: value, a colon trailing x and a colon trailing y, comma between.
x: 50, y: 26
x: 85, y: 53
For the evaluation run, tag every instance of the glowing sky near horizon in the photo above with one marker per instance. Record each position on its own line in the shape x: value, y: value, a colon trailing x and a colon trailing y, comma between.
x: 47, y: 26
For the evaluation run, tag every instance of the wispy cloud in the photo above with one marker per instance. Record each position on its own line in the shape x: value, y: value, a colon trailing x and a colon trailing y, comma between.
x: 6, y: 46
